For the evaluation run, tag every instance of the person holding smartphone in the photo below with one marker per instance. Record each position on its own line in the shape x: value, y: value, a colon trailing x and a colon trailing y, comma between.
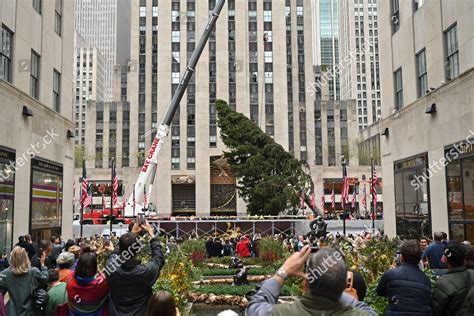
x: 131, y: 281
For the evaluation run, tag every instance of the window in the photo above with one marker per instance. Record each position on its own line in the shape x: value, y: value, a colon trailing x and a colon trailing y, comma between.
x: 37, y: 5
x: 6, y: 54
x: 58, y: 17
x: 398, y: 89
x: 421, y: 73
x: 269, y: 57
x: 175, y: 37
x: 56, y: 91
x: 395, y: 7
x: 452, y: 52
x: 34, y: 75
x: 142, y: 12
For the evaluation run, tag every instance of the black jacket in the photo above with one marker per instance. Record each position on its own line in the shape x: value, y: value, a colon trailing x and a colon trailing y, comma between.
x: 131, y: 282
x: 408, y: 290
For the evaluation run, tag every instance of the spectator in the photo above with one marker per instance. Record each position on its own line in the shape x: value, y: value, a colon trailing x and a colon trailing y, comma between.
x: 56, y: 293
x: 131, y: 282
x: 4, y: 262
x: 56, y: 247
x: 162, y: 304
x: 469, y: 257
x: 87, y: 291
x: 69, y: 244
x: 19, y: 280
x: 243, y: 247
x: 76, y: 251
x: 65, y: 262
x: 359, y: 285
x: 227, y: 248
x: 452, y: 288
x: 326, y: 282
x: 435, y: 253
x: 26, y: 242
x: 408, y: 289
x: 209, y: 247
x: 300, y: 242
x: 172, y: 245
x: 44, y: 249
x: 217, y: 248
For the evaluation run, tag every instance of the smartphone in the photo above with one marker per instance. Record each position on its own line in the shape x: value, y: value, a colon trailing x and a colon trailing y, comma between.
x: 106, y: 240
x: 141, y: 219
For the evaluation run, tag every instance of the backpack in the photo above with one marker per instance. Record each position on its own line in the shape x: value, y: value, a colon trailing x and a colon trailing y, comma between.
x: 39, y: 296
x: 349, y: 287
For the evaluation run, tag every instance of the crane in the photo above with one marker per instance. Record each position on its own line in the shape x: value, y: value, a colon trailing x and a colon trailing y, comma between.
x: 148, y: 170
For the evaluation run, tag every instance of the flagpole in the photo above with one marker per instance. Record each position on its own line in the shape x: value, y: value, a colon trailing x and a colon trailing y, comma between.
x: 343, y: 196
x: 112, y: 196
x: 365, y: 199
x: 373, y: 192
x: 82, y: 197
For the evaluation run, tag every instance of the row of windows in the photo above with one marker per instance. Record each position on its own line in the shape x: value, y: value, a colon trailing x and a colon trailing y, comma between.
x: 451, y: 62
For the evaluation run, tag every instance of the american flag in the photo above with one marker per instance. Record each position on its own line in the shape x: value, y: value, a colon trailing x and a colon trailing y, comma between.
x: 345, y: 187
x: 333, y: 198
x: 133, y: 198
x: 364, y: 199
x: 353, y: 204
x: 88, y: 199
x: 114, y: 186
x: 373, y: 186
x: 85, y: 184
x: 313, y: 201
x: 323, y: 202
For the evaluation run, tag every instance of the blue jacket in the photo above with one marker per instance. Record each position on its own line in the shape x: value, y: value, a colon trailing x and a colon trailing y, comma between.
x: 408, y: 290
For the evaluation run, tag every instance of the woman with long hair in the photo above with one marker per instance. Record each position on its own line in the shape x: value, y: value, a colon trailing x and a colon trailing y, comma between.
x: 87, y: 290
x: 162, y: 304
x: 19, y: 280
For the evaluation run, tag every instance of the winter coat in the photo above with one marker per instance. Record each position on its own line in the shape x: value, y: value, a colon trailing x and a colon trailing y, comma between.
x: 408, y: 290
x: 20, y: 287
x: 131, y: 282
x: 87, y: 296
x: 243, y: 248
x: 450, y: 291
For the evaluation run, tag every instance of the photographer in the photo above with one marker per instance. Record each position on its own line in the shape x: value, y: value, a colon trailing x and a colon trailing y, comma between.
x: 325, y: 278
x: 131, y: 281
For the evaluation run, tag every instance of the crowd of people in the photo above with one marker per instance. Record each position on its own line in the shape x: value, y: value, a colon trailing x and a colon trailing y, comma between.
x: 57, y: 277
x: 54, y: 277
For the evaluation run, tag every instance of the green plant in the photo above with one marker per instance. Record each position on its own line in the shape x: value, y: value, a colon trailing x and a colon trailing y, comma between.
x: 230, y: 272
x: 195, y: 249
x: 271, y: 250
x: 378, y: 303
x: 239, y: 290
x: 176, y: 277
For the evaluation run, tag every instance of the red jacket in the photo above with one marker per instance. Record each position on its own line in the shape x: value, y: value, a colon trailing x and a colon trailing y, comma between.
x: 243, y: 248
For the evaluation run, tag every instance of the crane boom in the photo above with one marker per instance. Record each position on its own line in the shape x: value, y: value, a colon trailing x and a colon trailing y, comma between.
x: 147, y: 173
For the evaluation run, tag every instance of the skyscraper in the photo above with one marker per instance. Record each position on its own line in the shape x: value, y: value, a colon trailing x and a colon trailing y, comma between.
x: 326, y: 36
x: 359, y: 58
x: 105, y: 25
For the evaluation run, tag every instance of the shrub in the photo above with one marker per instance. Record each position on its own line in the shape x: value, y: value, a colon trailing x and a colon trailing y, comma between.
x: 231, y: 272
x: 195, y: 250
x: 271, y: 250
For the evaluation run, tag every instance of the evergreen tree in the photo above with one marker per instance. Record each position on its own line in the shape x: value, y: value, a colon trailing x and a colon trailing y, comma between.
x: 269, y: 178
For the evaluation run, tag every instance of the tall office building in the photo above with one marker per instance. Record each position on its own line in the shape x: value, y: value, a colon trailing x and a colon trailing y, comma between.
x: 427, y: 127
x: 359, y: 58
x: 89, y: 82
x: 105, y: 25
x: 36, y: 112
x: 326, y: 42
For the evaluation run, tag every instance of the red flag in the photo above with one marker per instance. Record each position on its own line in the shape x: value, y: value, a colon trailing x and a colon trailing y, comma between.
x: 345, y: 187
x: 313, y: 201
x: 85, y: 184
